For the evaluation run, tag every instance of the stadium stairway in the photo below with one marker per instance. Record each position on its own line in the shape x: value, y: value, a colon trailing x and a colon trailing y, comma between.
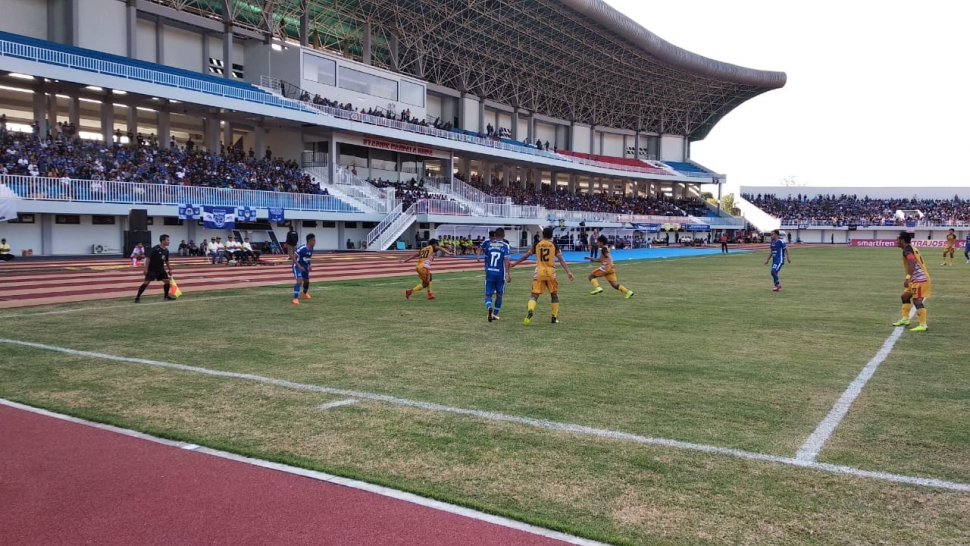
x: 352, y: 190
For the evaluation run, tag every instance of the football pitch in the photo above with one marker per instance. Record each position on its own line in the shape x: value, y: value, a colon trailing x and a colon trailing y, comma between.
x: 699, y: 411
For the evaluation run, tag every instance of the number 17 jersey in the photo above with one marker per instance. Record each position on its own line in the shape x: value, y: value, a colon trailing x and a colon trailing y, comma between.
x: 495, y: 254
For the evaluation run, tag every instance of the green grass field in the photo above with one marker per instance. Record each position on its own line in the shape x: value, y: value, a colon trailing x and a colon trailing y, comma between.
x: 704, y: 353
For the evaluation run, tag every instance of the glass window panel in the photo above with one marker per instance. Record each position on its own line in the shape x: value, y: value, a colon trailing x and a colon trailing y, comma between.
x: 369, y: 84
x: 412, y: 93
x: 319, y: 69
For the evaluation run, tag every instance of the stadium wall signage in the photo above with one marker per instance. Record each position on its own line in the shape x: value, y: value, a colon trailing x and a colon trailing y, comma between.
x: 397, y: 147
x: 892, y: 243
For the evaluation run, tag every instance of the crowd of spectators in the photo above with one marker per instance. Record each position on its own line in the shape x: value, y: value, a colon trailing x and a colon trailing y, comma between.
x: 61, y: 154
x: 844, y: 210
x: 408, y: 192
x: 403, y: 116
x: 563, y: 199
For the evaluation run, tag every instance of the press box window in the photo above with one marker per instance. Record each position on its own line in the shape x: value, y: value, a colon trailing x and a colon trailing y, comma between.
x: 319, y: 69
x: 412, y: 93
x: 376, y: 86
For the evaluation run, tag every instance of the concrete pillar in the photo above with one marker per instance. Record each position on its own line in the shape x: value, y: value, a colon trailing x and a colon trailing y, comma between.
x: 366, y: 54
x: 204, y: 61
x: 592, y: 139
x: 532, y: 127
x: 74, y: 112
x: 573, y: 183
x: 554, y: 180
x: 107, y: 118
x: 226, y: 52
x: 51, y: 111
x: 227, y: 135
x: 481, y: 116
x: 259, y: 141
x: 211, y: 129
x: 636, y: 145
x: 515, y: 124
x: 46, y: 234
x: 164, y: 128
x: 132, y: 124
x: 40, y: 114
x: 131, y: 26
x: 159, y: 41
x: 449, y: 167
x: 332, y: 159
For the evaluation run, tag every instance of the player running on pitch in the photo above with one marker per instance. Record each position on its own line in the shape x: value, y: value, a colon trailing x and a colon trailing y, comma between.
x: 951, y: 243
x: 495, y: 253
x: 546, y: 253
x: 301, y: 268
x: 425, y: 257
x: 606, y: 270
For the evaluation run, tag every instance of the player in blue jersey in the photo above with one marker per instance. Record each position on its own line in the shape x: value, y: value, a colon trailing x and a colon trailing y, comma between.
x: 301, y: 268
x: 495, y: 253
x: 779, y: 253
x: 966, y: 249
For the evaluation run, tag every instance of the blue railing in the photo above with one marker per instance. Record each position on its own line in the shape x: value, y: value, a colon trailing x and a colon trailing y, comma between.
x: 130, y: 193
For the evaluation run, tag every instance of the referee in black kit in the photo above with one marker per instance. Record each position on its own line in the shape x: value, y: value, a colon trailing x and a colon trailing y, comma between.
x: 157, y: 268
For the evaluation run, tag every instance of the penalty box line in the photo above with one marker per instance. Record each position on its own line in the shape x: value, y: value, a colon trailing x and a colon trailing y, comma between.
x: 543, y: 424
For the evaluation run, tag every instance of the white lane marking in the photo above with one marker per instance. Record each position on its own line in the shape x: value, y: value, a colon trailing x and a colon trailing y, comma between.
x: 816, y: 441
x: 321, y: 476
x: 337, y: 404
x: 505, y: 418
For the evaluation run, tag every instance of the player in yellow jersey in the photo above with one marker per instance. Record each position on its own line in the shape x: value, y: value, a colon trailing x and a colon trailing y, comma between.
x: 917, y: 287
x: 544, y: 279
x: 951, y: 241
x: 425, y: 257
x: 605, y: 270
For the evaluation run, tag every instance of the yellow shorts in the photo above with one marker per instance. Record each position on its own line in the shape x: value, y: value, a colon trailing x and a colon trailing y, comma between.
x: 540, y: 285
x: 610, y: 276
x: 424, y: 274
x: 920, y: 290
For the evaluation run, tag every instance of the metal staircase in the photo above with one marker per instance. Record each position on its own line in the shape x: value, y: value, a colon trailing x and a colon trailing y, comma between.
x: 356, y: 192
x: 391, y: 228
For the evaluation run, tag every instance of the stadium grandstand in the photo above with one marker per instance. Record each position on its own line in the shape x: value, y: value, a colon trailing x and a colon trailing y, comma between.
x: 856, y: 215
x: 366, y: 121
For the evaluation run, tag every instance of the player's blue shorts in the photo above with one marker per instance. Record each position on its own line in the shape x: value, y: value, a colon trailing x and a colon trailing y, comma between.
x: 494, y: 286
x: 300, y: 274
x: 777, y: 265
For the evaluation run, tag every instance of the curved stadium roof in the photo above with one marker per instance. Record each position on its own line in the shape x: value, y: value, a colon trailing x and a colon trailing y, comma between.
x: 578, y: 60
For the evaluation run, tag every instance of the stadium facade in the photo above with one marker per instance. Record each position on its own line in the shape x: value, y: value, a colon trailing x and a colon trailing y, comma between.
x: 528, y: 95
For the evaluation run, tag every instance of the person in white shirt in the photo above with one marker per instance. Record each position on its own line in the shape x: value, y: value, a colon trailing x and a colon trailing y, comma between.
x: 233, y: 250
x: 249, y: 253
x: 137, y: 255
x: 216, y: 251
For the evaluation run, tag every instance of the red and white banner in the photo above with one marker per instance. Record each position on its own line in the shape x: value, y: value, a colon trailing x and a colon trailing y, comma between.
x: 892, y: 243
x: 398, y: 147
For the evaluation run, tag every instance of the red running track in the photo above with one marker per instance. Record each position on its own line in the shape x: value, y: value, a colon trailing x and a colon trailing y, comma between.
x: 67, y: 483
x: 34, y: 283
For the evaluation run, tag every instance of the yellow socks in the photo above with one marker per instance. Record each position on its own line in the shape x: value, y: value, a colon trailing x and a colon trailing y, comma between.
x: 555, y: 310
x: 905, y: 310
x: 595, y: 283
x: 532, y: 305
x: 418, y: 288
x: 624, y: 290
x: 921, y: 315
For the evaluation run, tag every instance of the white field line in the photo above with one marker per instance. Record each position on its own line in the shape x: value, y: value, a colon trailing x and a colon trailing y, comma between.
x: 321, y: 476
x: 816, y: 441
x: 337, y: 404
x: 505, y: 418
